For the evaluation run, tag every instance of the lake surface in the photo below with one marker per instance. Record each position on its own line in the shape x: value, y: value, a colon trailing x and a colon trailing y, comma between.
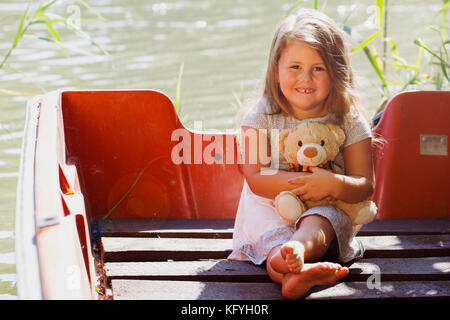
x: 223, y: 45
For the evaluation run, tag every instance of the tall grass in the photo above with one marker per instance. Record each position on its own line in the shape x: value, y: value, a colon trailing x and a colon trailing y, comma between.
x: 39, y: 15
x: 381, y: 50
x: 440, y: 56
x: 392, y: 59
x: 178, y: 105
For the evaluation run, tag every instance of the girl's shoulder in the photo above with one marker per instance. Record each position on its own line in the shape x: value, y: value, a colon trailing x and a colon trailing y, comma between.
x: 264, y: 107
x: 356, y: 127
x: 259, y: 115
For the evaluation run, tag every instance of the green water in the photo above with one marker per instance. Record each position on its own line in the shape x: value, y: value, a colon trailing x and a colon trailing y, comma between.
x: 224, y: 47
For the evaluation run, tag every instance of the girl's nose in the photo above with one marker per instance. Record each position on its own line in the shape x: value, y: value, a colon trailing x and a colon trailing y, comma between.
x: 305, y: 76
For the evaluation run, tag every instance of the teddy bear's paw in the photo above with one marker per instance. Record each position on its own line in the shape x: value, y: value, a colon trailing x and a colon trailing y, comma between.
x: 288, y: 206
x: 367, y: 213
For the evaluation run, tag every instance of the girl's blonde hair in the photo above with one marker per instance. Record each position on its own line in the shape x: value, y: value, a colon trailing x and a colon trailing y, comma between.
x: 324, y: 35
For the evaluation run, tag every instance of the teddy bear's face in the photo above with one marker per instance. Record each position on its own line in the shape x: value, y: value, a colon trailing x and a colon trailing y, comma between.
x: 311, y: 143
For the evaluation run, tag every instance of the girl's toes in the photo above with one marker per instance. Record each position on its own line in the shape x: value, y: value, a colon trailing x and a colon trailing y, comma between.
x: 296, y: 269
x: 286, y: 250
x: 342, y: 272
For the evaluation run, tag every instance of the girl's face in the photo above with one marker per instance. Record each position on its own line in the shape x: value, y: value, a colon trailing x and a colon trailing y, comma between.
x: 304, y: 80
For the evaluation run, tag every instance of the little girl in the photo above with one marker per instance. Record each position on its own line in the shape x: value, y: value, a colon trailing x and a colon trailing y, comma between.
x: 308, y: 77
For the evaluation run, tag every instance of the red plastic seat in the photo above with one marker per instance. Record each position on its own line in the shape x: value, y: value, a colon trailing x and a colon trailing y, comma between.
x: 116, y: 138
x: 412, y: 168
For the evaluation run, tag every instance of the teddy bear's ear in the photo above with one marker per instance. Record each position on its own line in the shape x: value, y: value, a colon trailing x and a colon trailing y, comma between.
x: 338, y: 132
x: 281, y: 138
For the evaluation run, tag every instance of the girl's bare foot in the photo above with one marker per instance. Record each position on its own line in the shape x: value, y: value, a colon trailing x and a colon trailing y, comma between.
x: 292, y: 252
x: 296, y: 286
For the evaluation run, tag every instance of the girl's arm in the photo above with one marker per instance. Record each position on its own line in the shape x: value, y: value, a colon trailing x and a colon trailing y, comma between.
x: 356, y: 185
x: 358, y: 182
x: 256, y: 166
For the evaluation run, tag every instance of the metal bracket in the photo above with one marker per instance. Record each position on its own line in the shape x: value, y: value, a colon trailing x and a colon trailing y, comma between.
x: 47, y: 222
x: 434, y: 145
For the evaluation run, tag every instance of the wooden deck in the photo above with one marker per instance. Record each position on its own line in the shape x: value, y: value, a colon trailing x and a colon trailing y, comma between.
x: 186, y: 259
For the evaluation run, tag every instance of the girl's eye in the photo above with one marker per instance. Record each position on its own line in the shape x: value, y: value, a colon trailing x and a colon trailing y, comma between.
x: 319, y: 69
x: 322, y: 143
x: 295, y: 67
x: 300, y: 143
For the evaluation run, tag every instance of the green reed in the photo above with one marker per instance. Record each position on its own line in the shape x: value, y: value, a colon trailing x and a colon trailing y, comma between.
x: 384, y: 57
x: 440, y: 55
x: 391, y: 57
x: 41, y: 15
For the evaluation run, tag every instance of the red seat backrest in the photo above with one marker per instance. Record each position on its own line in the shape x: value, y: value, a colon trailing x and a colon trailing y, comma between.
x: 121, y: 143
x: 412, y: 168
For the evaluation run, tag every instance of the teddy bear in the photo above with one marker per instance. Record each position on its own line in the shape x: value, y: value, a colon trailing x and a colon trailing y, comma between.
x: 314, y: 143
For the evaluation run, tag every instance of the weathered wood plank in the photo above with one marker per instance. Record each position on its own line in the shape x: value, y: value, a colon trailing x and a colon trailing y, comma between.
x: 194, y: 290
x: 406, y: 226
x: 404, y: 269
x: 161, y: 249
x: 223, y: 228
x: 387, y: 290
x: 406, y: 246
x: 401, y: 269
x: 174, y: 228
x: 157, y: 249
x: 205, y: 270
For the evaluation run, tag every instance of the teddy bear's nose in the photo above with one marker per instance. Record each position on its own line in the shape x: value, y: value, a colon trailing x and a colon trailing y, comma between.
x: 310, y: 152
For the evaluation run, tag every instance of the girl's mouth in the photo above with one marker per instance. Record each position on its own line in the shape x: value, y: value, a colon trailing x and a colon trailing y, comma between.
x: 304, y: 90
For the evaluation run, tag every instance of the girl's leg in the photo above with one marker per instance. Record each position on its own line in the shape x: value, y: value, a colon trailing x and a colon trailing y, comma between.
x: 296, y: 285
x: 314, y: 234
x: 308, y: 244
x: 276, y: 276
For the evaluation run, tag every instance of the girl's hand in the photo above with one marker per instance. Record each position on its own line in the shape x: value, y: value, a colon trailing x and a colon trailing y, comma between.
x: 318, y: 185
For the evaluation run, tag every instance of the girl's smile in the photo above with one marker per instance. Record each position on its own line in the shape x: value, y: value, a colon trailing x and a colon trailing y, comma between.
x: 304, y: 90
x: 304, y: 80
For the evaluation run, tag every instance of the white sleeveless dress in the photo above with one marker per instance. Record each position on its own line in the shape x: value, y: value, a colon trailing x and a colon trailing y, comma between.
x: 258, y: 227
